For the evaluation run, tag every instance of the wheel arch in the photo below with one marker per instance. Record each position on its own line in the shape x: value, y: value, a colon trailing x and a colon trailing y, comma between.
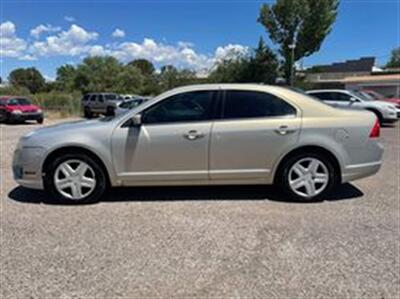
x: 313, y: 149
x: 75, y: 149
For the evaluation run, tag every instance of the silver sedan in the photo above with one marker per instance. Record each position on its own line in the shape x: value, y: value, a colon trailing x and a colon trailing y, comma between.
x: 206, y: 135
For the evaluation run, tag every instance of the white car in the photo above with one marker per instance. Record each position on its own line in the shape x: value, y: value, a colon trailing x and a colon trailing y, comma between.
x: 385, y: 112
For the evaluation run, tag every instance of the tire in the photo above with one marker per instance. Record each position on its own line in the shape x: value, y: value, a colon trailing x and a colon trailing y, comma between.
x: 87, y: 113
x: 110, y: 111
x: 40, y: 121
x: 94, y: 172
x: 289, y: 173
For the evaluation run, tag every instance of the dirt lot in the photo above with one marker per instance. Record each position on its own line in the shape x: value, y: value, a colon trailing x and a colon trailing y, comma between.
x: 219, y: 241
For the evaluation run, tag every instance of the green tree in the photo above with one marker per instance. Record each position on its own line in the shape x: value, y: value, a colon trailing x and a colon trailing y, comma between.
x: 171, y: 77
x: 66, y: 76
x: 394, y: 61
x: 129, y: 80
x: 145, y: 66
x: 301, y: 23
x: 263, y: 65
x: 98, y: 74
x: 30, y: 78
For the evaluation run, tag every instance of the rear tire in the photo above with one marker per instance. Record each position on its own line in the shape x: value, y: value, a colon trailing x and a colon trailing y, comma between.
x: 62, y: 178
x: 87, y: 113
x: 307, y: 177
x: 110, y: 111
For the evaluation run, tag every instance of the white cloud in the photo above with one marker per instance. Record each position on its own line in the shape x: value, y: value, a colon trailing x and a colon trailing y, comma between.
x: 77, y: 41
x: 69, y: 19
x: 10, y: 44
x: 72, y: 42
x: 35, y: 32
x: 27, y: 57
x: 118, y: 33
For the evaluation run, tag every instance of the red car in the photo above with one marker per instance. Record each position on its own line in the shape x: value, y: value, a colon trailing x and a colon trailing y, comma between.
x: 377, y: 96
x: 19, y: 109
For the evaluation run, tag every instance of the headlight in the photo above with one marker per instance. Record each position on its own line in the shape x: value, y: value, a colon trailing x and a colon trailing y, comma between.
x: 16, y: 111
x: 39, y: 111
x: 391, y: 107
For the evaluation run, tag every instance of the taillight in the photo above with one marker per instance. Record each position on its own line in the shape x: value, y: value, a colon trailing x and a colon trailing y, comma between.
x: 376, y: 130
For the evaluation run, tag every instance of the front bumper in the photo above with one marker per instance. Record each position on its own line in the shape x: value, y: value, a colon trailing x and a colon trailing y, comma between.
x: 26, y: 167
x: 25, y: 116
x: 391, y: 116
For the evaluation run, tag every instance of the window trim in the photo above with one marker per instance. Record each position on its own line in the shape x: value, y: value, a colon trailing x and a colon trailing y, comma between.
x: 224, y: 97
x: 213, y: 110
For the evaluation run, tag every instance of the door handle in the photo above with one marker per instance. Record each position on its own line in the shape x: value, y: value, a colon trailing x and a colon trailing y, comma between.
x: 284, y: 130
x: 193, y: 135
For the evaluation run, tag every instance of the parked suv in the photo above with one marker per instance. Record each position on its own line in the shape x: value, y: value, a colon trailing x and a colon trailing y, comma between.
x: 385, y: 112
x: 19, y: 109
x: 100, y: 103
x: 212, y: 134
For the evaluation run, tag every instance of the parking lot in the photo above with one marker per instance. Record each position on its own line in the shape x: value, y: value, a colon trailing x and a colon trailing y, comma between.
x: 226, y: 241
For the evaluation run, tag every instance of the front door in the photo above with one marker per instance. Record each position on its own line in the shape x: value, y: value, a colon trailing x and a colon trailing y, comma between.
x: 255, y: 128
x: 172, y: 143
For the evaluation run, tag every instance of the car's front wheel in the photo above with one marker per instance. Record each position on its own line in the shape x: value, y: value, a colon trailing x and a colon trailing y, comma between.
x: 75, y: 178
x: 308, y: 177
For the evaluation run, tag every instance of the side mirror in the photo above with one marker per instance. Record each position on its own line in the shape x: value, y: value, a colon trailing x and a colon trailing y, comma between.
x: 136, y: 120
x: 353, y: 100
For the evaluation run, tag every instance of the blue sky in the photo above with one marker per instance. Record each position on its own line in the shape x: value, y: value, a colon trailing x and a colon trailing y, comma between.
x: 194, y: 34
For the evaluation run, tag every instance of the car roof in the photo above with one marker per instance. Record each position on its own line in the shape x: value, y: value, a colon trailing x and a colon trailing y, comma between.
x: 328, y: 90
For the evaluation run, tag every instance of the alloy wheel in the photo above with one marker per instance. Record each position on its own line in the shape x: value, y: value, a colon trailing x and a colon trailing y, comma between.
x: 74, y: 179
x: 308, y: 177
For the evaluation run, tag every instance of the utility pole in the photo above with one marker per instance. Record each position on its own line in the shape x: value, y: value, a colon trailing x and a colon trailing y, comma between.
x: 292, y: 47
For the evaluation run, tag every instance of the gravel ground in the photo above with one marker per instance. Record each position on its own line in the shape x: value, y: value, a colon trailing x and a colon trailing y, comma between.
x: 202, y: 242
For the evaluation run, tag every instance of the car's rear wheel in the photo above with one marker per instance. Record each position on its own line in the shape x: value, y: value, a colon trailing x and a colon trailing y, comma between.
x: 75, y: 178
x: 110, y: 111
x: 87, y: 113
x: 307, y: 177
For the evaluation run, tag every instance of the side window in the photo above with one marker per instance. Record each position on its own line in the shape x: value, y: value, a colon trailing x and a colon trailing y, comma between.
x: 325, y: 96
x: 100, y: 98
x: 251, y: 104
x: 184, y: 107
x: 339, y: 97
x: 93, y: 98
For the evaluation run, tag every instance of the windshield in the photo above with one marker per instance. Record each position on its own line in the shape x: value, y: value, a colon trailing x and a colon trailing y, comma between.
x: 375, y: 95
x: 131, y: 104
x: 18, y: 101
x: 362, y: 96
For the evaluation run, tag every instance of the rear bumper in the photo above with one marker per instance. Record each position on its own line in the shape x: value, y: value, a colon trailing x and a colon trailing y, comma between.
x: 359, y: 171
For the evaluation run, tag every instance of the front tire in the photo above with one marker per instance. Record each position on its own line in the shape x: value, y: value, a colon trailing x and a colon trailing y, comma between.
x: 40, y: 121
x: 110, y: 111
x: 75, y: 178
x: 307, y: 177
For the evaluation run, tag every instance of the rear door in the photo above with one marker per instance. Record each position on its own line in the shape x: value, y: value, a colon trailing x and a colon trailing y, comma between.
x: 254, y: 130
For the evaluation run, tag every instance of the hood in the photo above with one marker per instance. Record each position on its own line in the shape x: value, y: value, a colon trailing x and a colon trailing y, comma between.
x: 62, y: 128
x: 381, y: 104
x: 24, y: 108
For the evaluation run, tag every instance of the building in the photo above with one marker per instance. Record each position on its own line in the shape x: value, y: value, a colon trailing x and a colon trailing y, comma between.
x: 332, y: 76
x: 386, y: 84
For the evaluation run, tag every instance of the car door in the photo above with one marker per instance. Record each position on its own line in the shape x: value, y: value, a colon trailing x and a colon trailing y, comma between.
x: 341, y: 99
x: 171, y: 144
x: 255, y: 129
